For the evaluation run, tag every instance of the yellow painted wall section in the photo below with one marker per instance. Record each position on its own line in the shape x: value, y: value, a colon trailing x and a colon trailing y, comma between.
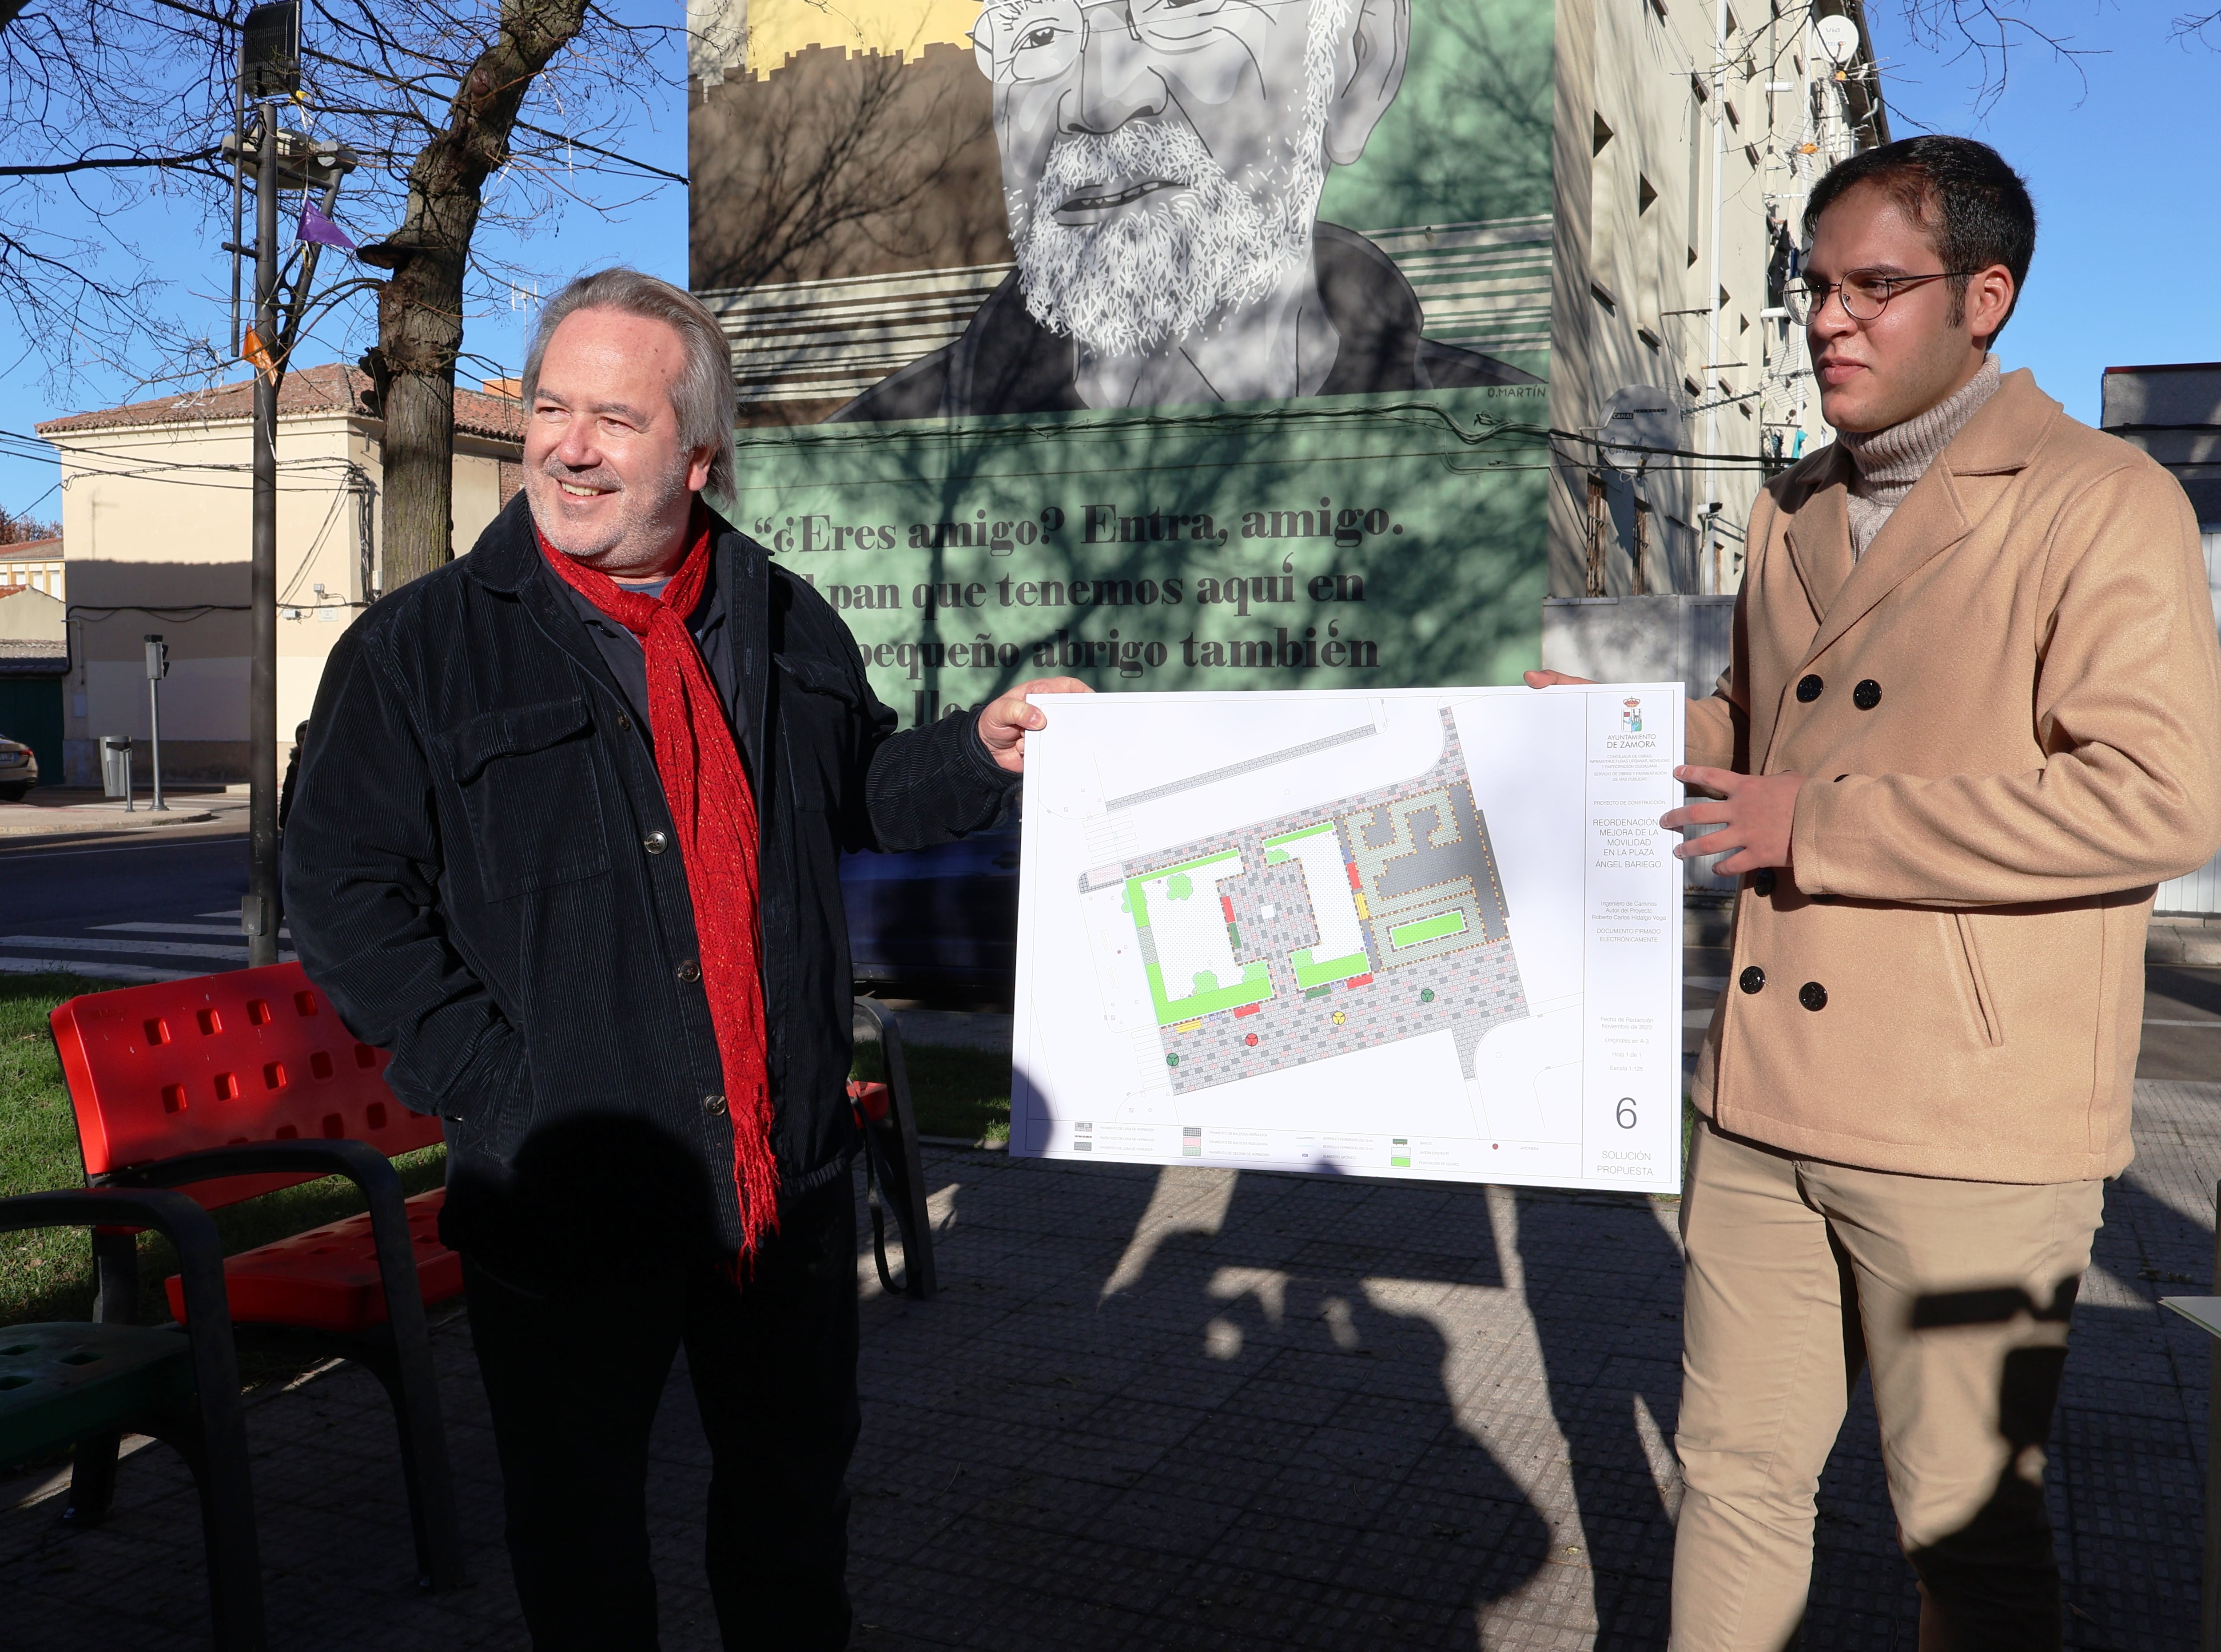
x: 779, y: 29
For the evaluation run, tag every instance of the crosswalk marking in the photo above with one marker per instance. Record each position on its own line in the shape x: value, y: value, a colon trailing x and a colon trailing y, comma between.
x: 138, y: 949
x: 218, y: 930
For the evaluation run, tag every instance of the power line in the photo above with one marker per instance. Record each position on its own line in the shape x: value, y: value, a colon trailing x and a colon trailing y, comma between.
x: 397, y: 84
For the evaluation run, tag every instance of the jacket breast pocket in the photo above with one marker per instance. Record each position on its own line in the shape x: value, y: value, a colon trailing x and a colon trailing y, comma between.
x: 528, y: 778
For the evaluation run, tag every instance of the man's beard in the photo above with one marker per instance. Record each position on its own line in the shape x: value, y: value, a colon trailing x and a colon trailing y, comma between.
x: 636, y: 539
x: 1159, y: 272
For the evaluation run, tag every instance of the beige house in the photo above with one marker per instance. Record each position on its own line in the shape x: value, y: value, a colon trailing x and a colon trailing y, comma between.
x: 35, y: 564
x: 157, y: 522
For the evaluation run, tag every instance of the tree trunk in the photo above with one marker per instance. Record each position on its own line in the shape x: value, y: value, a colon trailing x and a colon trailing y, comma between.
x: 420, y: 310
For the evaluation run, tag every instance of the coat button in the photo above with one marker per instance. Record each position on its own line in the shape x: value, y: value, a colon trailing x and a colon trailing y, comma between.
x: 656, y: 842
x: 1761, y: 881
x: 1808, y: 689
x: 689, y: 970
x: 624, y: 722
x: 1866, y: 695
x: 714, y: 1106
x: 1812, y: 996
x: 1751, y: 979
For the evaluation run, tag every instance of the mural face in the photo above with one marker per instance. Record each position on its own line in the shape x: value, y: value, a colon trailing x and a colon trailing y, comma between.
x: 1166, y: 343
x: 1162, y: 165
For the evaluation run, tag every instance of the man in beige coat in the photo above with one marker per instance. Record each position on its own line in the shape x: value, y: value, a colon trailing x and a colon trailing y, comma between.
x: 1972, y: 715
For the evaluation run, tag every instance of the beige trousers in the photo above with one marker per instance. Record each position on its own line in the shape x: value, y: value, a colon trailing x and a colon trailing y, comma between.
x: 1956, y: 1295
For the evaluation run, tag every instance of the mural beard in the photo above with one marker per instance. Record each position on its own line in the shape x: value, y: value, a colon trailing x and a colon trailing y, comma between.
x: 1133, y: 285
x: 1129, y: 286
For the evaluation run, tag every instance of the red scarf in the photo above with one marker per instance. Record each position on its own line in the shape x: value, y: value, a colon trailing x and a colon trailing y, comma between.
x: 714, y: 813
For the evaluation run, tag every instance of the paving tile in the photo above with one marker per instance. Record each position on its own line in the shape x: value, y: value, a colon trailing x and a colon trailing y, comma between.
x: 1312, y: 1415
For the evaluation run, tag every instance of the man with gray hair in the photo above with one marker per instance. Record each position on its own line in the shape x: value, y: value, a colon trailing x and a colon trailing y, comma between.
x: 1162, y: 165
x: 565, y: 843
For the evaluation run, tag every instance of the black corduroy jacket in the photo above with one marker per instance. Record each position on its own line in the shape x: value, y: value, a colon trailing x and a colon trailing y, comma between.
x: 481, y: 875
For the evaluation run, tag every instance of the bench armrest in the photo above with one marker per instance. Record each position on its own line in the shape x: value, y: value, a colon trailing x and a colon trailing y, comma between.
x: 369, y: 1169
x: 200, y: 1264
x: 358, y: 1161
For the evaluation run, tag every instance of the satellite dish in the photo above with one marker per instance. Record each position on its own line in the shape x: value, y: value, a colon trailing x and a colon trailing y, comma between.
x: 1638, y: 421
x: 1839, y: 38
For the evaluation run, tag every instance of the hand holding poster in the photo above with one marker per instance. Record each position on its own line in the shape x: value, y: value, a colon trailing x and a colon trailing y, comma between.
x: 1428, y: 933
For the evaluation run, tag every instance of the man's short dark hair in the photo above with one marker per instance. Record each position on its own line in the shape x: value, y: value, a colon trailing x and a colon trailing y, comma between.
x: 1974, y: 207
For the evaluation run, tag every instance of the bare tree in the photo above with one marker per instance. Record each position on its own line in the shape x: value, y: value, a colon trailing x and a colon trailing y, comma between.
x: 107, y: 100
x: 1994, y: 32
x: 420, y: 310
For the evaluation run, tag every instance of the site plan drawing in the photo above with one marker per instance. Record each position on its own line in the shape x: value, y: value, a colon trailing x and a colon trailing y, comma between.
x: 1431, y: 933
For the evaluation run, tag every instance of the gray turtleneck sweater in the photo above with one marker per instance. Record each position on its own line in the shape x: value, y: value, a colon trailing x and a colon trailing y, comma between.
x: 1885, y: 464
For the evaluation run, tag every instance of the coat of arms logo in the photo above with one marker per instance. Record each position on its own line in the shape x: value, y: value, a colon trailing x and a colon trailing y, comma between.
x: 1631, y: 718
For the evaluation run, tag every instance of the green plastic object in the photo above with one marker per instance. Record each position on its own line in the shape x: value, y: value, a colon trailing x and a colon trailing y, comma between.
x: 63, y: 1381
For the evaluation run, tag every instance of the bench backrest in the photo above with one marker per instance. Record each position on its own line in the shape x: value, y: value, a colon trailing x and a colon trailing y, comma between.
x: 249, y: 1055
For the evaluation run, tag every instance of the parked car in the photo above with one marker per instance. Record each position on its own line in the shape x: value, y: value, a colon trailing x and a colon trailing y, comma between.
x: 19, y: 771
x: 938, y: 923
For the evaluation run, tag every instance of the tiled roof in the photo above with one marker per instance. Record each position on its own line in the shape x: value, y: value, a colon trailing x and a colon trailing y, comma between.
x: 332, y: 389
x: 32, y: 550
x: 20, y: 657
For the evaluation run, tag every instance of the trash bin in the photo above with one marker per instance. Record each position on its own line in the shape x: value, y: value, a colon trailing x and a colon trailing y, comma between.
x: 116, y: 766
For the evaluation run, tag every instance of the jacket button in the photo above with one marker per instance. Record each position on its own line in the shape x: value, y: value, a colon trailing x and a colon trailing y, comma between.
x: 1751, y: 979
x: 1808, y: 689
x: 656, y: 842
x: 624, y: 722
x: 1761, y: 881
x: 714, y: 1106
x: 1812, y: 996
x: 1866, y: 695
x: 689, y: 970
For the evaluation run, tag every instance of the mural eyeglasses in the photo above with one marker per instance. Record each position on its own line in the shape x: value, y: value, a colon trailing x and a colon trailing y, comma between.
x: 1864, y: 293
x: 1019, y: 42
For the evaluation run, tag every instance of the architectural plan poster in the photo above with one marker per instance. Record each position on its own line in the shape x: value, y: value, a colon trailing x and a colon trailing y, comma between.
x: 1201, y: 347
x: 1432, y: 934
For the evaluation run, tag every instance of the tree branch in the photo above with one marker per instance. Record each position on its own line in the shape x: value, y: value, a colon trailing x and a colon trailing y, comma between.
x: 87, y: 163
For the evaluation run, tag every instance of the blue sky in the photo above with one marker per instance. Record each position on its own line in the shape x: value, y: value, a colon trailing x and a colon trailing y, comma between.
x: 2117, y: 157
x: 2129, y: 209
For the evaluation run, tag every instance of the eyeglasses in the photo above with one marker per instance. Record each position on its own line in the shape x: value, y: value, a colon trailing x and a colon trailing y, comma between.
x: 1021, y: 41
x: 1865, y: 293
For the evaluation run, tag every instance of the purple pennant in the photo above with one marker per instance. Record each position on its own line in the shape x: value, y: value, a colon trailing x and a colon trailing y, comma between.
x: 316, y: 227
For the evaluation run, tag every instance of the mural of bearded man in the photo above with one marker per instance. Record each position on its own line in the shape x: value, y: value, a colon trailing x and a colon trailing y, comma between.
x: 1162, y: 164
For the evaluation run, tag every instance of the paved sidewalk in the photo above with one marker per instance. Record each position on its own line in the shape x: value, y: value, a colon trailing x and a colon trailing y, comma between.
x: 1197, y: 1409
x: 71, y: 813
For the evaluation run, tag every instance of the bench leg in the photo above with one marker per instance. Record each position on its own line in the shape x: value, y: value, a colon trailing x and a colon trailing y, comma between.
x: 233, y: 1550
x: 92, y: 1465
x: 424, y: 1467
x: 92, y: 1479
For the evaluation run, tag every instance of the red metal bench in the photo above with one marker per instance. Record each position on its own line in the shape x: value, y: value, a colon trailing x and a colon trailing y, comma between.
x: 229, y: 1085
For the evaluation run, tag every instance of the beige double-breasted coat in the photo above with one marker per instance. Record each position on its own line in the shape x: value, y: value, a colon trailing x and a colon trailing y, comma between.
x: 2009, y: 710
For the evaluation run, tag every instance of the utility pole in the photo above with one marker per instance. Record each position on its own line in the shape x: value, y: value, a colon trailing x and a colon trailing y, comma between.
x: 261, y: 918
x: 269, y: 68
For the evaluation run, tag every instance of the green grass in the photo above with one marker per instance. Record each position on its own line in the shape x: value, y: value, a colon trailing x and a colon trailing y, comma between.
x: 47, y: 1275
x: 962, y: 1093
